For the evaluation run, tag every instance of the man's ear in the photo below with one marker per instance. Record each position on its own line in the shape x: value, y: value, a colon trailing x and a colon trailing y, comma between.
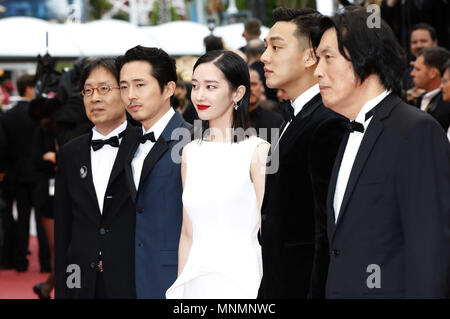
x: 309, y: 58
x: 434, y: 72
x: 169, y: 90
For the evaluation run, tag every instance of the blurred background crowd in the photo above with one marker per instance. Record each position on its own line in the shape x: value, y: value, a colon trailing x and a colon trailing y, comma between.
x: 46, y: 43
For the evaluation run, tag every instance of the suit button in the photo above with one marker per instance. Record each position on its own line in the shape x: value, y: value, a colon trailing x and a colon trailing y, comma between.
x: 334, y: 252
x: 140, y: 210
x: 92, y: 265
x: 102, y: 231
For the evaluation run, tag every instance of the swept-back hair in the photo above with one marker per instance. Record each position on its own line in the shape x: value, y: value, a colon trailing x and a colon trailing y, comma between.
x: 235, y: 71
x: 371, y: 50
x: 306, y: 20
x: 162, y: 65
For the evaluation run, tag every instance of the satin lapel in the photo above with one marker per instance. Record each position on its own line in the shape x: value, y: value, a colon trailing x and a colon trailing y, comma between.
x: 84, y: 173
x: 332, y: 184
x: 370, y: 137
x: 126, y: 145
x: 298, y: 123
x: 153, y: 156
x: 128, y: 171
x: 128, y: 142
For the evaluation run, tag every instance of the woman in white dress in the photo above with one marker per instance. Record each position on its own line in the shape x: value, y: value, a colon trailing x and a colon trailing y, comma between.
x: 223, y: 175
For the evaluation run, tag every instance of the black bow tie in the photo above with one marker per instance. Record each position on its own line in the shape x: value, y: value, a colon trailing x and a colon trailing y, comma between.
x: 353, y: 126
x: 113, y: 141
x: 148, y: 137
x: 288, y: 110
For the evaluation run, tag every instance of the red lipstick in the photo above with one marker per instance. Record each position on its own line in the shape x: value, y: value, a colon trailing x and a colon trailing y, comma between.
x: 202, y: 107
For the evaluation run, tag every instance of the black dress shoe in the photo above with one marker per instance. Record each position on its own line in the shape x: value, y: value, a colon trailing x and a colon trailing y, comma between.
x: 38, y: 290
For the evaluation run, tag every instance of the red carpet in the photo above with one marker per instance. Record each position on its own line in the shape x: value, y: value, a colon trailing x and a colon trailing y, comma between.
x: 14, y: 285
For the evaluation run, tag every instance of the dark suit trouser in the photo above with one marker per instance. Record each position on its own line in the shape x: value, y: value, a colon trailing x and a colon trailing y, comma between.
x: 7, y: 229
x: 24, y: 195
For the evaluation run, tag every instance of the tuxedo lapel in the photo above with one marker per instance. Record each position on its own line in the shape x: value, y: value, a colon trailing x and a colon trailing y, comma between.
x: 152, y: 158
x: 128, y: 142
x: 84, y: 173
x: 161, y: 146
x: 370, y: 137
x: 332, y: 184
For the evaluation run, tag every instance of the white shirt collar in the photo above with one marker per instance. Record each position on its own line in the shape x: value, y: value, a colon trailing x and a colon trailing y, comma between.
x: 431, y: 94
x: 304, y: 98
x: 361, y: 117
x: 159, y: 126
x: 97, y: 135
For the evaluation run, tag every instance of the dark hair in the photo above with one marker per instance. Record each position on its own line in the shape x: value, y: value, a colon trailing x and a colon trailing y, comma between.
x: 424, y: 26
x: 255, y: 48
x: 235, y: 70
x: 307, y: 22
x: 25, y: 81
x: 163, y: 67
x: 108, y: 64
x: 370, y: 50
x: 446, y: 67
x: 212, y: 43
x: 435, y: 57
x: 253, y: 27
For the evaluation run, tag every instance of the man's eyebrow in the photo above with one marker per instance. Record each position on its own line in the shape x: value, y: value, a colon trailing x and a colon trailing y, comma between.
x: 275, y: 38
x: 133, y: 80
x: 326, y: 49
x: 98, y: 83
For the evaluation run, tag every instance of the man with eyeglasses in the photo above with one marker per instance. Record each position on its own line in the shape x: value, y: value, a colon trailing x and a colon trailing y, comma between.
x: 94, y: 212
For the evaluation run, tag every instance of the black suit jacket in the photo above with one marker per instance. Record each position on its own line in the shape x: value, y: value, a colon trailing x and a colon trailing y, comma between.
x: 19, y: 129
x: 439, y: 109
x: 294, y: 205
x: 264, y: 119
x: 81, y: 231
x: 395, y: 211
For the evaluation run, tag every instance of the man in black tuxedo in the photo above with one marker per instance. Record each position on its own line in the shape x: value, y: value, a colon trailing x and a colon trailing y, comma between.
x: 94, y: 212
x: 427, y: 73
x: 388, y: 208
x: 20, y: 178
x: 294, y: 201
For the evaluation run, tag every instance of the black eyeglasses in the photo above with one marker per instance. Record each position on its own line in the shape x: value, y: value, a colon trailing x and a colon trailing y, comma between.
x: 103, y: 90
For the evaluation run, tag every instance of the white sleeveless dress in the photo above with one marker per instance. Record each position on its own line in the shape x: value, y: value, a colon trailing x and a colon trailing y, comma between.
x: 225, y: 258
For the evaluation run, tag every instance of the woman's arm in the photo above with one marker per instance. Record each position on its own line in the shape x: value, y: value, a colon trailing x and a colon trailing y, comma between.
x: 185, y: 244
x: 258, y: 171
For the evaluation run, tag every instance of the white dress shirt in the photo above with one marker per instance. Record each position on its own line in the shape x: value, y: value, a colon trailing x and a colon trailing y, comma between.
x: 354, y: 141
x: 301, y: 101
x: 102, y: 162
x: 144, y: 149
x: 427, y: 98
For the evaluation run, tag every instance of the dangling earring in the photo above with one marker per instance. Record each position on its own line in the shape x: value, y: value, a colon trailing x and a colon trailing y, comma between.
x: 236, y: 106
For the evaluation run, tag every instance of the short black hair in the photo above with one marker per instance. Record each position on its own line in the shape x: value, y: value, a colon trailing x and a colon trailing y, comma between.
x: 307, y: 22
x: 252, y: 27
x: 163, y: 67
x: 108, y: 64
x: 424, y: 26
x: 435, y: 57
x: 371, y: 50
x: 25, y: 81
x: 446, y: 66
x: 212, y: 43
x: 235, y: 71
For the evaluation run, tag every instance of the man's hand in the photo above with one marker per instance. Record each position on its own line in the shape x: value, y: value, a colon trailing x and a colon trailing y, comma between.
x: 50, y: 156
